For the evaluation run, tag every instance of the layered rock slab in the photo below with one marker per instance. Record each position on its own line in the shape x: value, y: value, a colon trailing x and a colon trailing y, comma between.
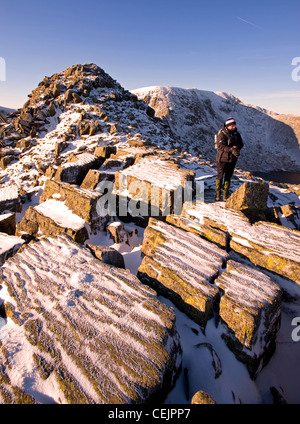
x: 82, y: 202
x: 95, y: 330
x: 52, y: 217
x: 266, y: 244
x: 157, y: 184
x: 9, y: 245
x: 75, y: 170
x: 182, y: 266
x: 251, y: 309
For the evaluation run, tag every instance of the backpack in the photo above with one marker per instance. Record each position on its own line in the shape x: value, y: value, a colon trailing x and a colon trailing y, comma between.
x: 216, y: 141
x: 216, y: 138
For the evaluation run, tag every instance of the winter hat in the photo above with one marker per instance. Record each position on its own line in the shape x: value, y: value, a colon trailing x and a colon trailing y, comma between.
x: 230, y: 121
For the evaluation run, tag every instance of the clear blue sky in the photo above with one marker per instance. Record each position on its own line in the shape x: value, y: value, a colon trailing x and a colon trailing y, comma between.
x: 244, y: 47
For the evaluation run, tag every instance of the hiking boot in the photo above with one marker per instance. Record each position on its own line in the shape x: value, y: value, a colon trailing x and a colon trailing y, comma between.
x: 226, y: 190
x: 218, y: 190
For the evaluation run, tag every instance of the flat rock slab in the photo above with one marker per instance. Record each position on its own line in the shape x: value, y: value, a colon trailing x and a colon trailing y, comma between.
x: 90, y: 333
x: 9, y: 245
x: 266, y: 244
x: 251, y: 309
x: 182, y: 266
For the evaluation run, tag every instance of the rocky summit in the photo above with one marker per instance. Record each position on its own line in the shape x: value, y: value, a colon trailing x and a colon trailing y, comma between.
x: 122, y: 280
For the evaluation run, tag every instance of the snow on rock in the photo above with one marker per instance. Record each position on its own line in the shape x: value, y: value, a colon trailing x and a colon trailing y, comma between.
x: 251, y: 308
x: 53, y: 217
x: 86, y: 332
x: 82, y: 202
x: 8, y: 223
x: 9, y: 245
x: 75, y: 170
x: 155, y: 183
x: 182, y: 266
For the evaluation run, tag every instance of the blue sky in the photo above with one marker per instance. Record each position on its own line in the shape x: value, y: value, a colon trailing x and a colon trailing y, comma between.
x: 244, y: 47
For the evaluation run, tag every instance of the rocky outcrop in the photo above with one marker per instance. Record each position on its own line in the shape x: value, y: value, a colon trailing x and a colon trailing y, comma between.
x: 201, y: 280
x: 183, y: 267
x: 9, y: 245
x: 94, y: 330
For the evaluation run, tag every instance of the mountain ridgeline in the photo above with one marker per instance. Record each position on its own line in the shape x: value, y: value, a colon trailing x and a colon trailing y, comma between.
x: 271, y: 140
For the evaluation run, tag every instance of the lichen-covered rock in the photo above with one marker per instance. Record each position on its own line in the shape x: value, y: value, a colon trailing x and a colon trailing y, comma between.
x: 182, y: 266
x: 92, y: 331
x: 155, y: 183
x: 215, y: 235
x: 202, y: 398
x: 251, y: 309
x: 94, y: 178
x: 51, y: 218
x: 251, y: 198
x: 270, y: 246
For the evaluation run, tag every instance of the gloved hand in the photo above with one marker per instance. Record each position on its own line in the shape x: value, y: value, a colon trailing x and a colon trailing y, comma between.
x: 235, y: 152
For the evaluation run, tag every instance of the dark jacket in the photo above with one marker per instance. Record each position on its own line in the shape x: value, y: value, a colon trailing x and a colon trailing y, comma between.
x: 226, y: 139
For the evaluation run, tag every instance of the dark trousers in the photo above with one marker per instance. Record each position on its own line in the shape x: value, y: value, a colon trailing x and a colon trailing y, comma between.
x: 225, y: 169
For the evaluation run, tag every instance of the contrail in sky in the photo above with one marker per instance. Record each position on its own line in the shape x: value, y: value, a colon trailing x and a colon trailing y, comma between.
x: 248, y: 22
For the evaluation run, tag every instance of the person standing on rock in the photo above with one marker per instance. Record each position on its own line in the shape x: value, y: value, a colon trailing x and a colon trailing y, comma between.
x: 229, y: 144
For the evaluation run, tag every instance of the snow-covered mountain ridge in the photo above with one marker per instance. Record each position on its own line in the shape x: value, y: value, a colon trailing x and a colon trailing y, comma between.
x: 271, y: 140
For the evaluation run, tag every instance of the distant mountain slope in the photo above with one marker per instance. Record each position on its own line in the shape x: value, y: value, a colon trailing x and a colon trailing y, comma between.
x: 271, y: 140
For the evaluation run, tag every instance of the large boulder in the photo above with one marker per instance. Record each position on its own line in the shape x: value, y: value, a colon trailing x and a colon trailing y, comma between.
x: 91, y: 333
x: 156, y: 185
x: 75, y: 170
x: 251, y: 198
x: 52, y: 217
x: 251, y: 309
x: 182, y: 266
x: 81, y: 202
